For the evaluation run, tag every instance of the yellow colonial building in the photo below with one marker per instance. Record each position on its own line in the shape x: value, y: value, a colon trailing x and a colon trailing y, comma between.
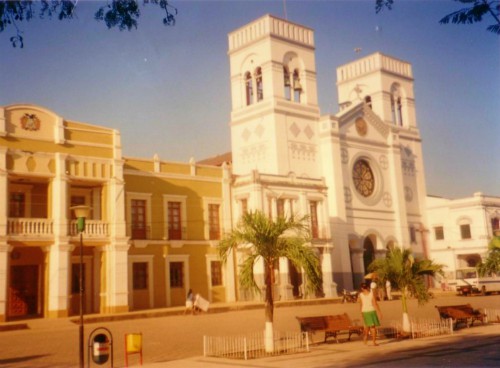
x: 47, y: 165
x: 149, y: 238
x: 175, y: 216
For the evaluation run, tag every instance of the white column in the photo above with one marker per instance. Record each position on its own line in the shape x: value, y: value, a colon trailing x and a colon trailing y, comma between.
x: 116, y: 276
x: 322, y: 223
x: 274, y: 209
x: 286, y: 289
x: 115, y: 294
x: 256, y: 199
x: 329, y: 286
x: 116, y: 203
x: 59, y: 204
x: 4, y: 268
x: 303, y: 204
x: 58, y: 276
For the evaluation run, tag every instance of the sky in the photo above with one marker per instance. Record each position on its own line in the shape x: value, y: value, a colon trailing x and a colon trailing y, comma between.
x: 166, y: 89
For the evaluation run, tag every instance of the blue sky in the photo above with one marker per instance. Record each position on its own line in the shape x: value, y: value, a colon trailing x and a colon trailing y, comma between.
x: 166, y: 89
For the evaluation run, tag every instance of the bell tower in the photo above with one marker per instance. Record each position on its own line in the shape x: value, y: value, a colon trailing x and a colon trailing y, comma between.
x: 385, y: 83
x: 274, y: 98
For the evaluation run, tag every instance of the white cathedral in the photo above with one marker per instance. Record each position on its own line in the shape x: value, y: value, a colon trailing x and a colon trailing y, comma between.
x: 358, y: 174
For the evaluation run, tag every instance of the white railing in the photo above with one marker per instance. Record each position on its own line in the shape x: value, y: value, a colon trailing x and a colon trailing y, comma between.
x: 93, y: 228
x: 426, y: 327
x: 492, y: 315
x: 252, y: 345
x: 45, y: 227
x: 30, y: 226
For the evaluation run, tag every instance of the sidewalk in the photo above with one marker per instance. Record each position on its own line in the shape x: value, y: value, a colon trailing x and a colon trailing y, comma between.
x: 172, y: 339
x: 467, y: 347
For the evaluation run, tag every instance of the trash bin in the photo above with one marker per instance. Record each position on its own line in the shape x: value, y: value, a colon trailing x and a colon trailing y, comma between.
x: 100, y: 349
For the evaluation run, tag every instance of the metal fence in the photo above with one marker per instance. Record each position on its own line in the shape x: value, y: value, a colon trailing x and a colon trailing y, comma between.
x: 425, y: 327
x: 253, y: 346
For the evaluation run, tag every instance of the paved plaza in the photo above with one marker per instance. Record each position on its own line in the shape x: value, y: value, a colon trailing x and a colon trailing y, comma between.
x: 173, y: 340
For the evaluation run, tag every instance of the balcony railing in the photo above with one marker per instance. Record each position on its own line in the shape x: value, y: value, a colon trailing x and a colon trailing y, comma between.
x: 39, y: 227
x: 30, y: 226
x: 93, y: 228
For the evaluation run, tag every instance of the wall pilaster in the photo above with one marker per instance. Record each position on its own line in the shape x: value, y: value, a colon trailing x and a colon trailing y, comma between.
x: 58, y: 274
x: 114, y: 295
x: 4, y: 267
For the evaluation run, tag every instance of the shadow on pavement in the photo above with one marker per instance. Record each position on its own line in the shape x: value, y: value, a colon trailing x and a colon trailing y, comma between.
x: 21, y: 359
x: 459, y: 351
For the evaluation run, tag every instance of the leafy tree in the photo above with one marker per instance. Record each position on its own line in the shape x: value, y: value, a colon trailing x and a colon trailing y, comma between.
x: 122, y: 14
x: 406, y: 274
x: 262, y: 238
x: 474, y: 12
x: 492, y: 262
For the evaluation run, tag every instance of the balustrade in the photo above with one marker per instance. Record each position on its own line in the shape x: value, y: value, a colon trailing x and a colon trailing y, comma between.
x: 37, y: 227
x: 93, y: 228
x: 30, y: 226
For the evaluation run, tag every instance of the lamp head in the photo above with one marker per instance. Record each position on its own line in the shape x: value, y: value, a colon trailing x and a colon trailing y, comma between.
x: 81, y: 213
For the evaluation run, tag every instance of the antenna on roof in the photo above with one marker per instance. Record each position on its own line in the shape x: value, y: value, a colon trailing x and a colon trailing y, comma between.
x: 284, y: 9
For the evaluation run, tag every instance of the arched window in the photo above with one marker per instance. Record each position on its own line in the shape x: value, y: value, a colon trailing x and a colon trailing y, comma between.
x: 399, y: 108
x: 396, y: 106
x: 286, y: 78
x: 368, y: 101
x: 393, y: 110
x: 258, y: 83
x: 249, y: 88
x: 297, y: 87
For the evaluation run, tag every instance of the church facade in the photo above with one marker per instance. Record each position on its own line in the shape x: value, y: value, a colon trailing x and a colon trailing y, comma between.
x: 153, y: 230
x: 358, y: 174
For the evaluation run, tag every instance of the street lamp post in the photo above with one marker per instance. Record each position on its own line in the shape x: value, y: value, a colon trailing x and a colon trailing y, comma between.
x: 81, y: 213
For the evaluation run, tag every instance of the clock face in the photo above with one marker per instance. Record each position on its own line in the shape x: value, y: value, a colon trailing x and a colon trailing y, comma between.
x: 363, y: 178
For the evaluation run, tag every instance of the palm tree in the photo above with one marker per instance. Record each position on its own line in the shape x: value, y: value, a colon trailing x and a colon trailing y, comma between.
x: 263, y: 238
x: 408, y: 275
x: 492, y: 262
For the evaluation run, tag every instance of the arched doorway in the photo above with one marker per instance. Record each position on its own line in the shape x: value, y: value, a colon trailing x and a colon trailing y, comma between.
x: 368, y: 253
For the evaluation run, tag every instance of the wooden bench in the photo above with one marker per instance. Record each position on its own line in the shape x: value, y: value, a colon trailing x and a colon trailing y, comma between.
x: 461, y: 314
x: 332, y: 326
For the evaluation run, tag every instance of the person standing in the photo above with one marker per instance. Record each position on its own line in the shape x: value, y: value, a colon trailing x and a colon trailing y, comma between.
x: 370, y: 312
x: 388, y: 288
x: 373, y: 288
x: 190, y: 302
